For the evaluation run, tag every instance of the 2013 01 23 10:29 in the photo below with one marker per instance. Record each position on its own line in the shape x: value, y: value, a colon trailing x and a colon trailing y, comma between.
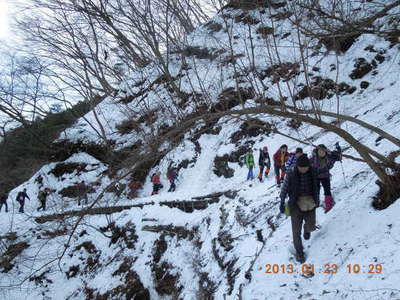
x: 324, y: 269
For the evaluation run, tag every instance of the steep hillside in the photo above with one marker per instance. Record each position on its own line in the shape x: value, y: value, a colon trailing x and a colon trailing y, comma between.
x: 214, y: 237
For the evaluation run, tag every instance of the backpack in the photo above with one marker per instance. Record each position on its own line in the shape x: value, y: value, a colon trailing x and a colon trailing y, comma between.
x: 42, y: 196
x: 20, y: 197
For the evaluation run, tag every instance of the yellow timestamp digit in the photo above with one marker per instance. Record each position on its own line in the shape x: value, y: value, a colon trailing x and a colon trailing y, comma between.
x: 275, y: 269
x: 330, y: 269
x: 307, y: 269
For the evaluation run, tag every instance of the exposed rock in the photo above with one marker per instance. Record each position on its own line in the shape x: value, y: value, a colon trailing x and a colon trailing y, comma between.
x: 361, y: 68
x: 166, y: 283
x: 251, y: 128
x: 284, y: 71
x: 246, y: 19
x: 265, y: 31
x: 68, y: 168
x: 12, y: 251
x: 364, y: 84
x: 322, y: 88
x: 221, y: 167
x: 340, y: 41
x: 213, y: 26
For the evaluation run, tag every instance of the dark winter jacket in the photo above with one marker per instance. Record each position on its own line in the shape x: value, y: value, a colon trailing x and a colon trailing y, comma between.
x: 171, y: 175
x: 297, y: 184
x: 323, y: 165
x: 264, y: 159
x: 21, y: 196
x: 3, y: 198
x: 280, y: 159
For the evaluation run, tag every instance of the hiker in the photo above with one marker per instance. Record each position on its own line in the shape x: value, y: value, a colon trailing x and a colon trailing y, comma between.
x: 3, y: 201
x: 81, y: 190
x: 21, y: 196
x: 42, y: 196
x: 291, y: 162
x: 301, y: 186
x: 280, y: 158
x: 249, y: 160
x: 323, y: 160
x: 264, y: 162
x: 155, y: 180
x: 172, y: 175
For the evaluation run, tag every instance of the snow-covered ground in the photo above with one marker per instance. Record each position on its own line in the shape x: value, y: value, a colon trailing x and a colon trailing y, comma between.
x: 223, y: 256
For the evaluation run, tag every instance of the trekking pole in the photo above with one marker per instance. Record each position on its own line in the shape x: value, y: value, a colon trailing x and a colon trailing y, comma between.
x: 344, y: 176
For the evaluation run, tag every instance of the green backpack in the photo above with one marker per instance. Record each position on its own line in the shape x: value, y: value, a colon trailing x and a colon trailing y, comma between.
x: 287, y: 210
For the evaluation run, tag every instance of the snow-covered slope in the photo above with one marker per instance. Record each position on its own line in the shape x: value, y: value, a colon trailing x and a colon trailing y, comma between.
x: 222, y: 251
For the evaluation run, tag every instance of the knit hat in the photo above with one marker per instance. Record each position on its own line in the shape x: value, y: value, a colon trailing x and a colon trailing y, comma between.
x: 265, y: 149
x: 299, y: 150
x: 303, y: 161
x: 322, y: 147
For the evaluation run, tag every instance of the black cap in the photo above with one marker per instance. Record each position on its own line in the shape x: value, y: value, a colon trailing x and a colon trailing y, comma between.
x: 303, y: 161
x: 299, y: 150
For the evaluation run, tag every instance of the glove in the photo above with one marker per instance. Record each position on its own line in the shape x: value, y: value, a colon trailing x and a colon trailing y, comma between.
x: 282, y: 207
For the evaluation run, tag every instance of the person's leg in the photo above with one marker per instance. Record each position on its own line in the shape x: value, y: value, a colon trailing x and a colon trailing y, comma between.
x: 21, y: 209
x: 5, y: 203
x: 309, y: 223
x: 326, y: 184
x: 170, y: 186
x: 173, y: 186
x: 156, y: 187
x: 44, y: 205
x: 297, y: 220
x: 282, y: 175
x: 86, y: 199
x: 260, y: 175
x: 329, y: 202
x: 319, y: 186
x: 266, y: 172
x: 277, y: 170
x: 1, y: 205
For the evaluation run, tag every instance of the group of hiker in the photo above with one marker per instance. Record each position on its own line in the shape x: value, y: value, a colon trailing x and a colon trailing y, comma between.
x: 22, y: 196
x: 172, y: 176
x: 302, y: 183
x: 81, y: 190
x: 301, y: 178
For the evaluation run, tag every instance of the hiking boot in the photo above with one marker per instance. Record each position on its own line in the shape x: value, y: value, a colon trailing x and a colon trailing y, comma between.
x: 306, y: 235
x: 300, y: 257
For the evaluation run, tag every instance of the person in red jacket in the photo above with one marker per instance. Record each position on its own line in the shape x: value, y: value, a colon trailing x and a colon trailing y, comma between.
x: 280, y: 158
x: 155, y: 180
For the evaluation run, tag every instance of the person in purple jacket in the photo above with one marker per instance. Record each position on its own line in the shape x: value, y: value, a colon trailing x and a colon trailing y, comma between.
x: 323, y: 160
